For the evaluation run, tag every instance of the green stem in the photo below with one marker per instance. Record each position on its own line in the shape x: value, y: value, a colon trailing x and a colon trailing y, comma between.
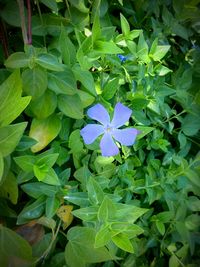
x: 23, y: 22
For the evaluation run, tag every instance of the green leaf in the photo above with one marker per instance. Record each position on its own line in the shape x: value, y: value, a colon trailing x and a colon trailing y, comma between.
x: 95, y: 193
x: 34, y: 82
x: 88, y: 214
x: 102, y: 237
x: 160, y: 52
x: 123, y: 242
x: 86, y: 78
x: 51, y: 178
x: 11, y: 102
x: 190, y: 124
x: 52, y: 4
x: 49, y: 62
x: 10, y: 13
x: 9, y: 188
x: 10, y: 136
x: 108, y: 47
x: 38, y: 189
x: 44, y: 131
x: 193, y: 177
x: 17, y: 60
x: 62, y: 82
x: 143, y: 131
x: 52, y: 205
x: 47, y: 159
x: 47, y: 222
x: 106, y: 210
x: 67, y: 48
x: 81, y: 246
x: 129, y: 213
x: 161, y: 227
x: 71, y: 106
x: 110, y: 88
x: 12, y: 247
x: 32, y: 211
x: 142, y: 49
x: 43, y: 106
x: 78, y: 198
x: 25, y: 162
x: 86, y: 99
x: 124, y: 25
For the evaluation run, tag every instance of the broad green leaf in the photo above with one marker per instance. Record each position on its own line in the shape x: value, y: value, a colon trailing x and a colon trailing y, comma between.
x: 47, y: 222
x: 143, y: 130
x: 107, y: 47
x: 17, y: 60
x: 160, y: 52
x: 34, y: 82
x: 110, y: 88
x: 44, y: 131
x: 47, y: 159
x: 38, y: 189
x: 62, y: 82
x: 107, y: 210
x: 124, y: 25
x: 96, y: 28
x: 161, y: 227
x: 12, y: 247
x: 75, y: 143
x: 49, y: 62
x: 25, y: 143
x: 44, y: 106
x: 10, y: 136
x: 81, y: 246
x: 25, y: 162
x: 193, y: 177
x: 131, y: 230
x: 67, y: 48
x: 52, y: 4
x: 86, y: 99
x: 71, y: 106
x: 88, y: 214
x: 128, y: 213
x: 9, y: 188
x: 86, y: 78
x: 10, y: 13
x: 95, y: 193
x: 161, y: 70
x: 142, y: 49
x: 123, y: 242
x: 32, y: 211
x: 190, y: 124
x: 78, y: 198
x: 102, y: 237
x: 80, y: 5
x: 51, y: 177
x: 11, y: 102
x: 40, y: 172
x: 52, y: 205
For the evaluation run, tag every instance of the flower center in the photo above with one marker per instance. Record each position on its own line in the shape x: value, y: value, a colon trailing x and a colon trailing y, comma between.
x: 108, y: 128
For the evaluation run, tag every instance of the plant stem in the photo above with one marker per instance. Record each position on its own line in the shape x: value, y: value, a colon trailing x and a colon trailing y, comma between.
x: 29, y: 22
x: 23, y: 22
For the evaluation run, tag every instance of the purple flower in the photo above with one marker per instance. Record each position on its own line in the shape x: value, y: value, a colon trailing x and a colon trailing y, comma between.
x: 122, y: 58
x: 108, y: 129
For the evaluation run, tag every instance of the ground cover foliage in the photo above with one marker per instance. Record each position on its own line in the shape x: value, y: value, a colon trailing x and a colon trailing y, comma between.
x: 61, y: 202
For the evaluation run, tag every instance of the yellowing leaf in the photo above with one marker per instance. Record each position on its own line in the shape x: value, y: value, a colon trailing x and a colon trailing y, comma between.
x: 64, y: 213
x: 44, y: 131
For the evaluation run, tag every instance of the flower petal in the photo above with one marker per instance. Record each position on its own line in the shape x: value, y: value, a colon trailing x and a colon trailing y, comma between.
x: 121, y: 115
x: 125, y: 136
x: 90, y: 132
x: 108, y: 147
x: 99, y: 113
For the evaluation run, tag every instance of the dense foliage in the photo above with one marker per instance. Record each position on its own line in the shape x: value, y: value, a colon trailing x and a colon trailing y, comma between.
x: 61, y: 202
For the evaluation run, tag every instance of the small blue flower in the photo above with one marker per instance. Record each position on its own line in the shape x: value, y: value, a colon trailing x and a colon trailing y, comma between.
x: 108, y: 129
x: 122, y: 58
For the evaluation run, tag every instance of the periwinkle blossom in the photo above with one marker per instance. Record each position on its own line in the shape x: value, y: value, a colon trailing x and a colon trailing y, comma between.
x: 109, y: 129
x: 122, y: 58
